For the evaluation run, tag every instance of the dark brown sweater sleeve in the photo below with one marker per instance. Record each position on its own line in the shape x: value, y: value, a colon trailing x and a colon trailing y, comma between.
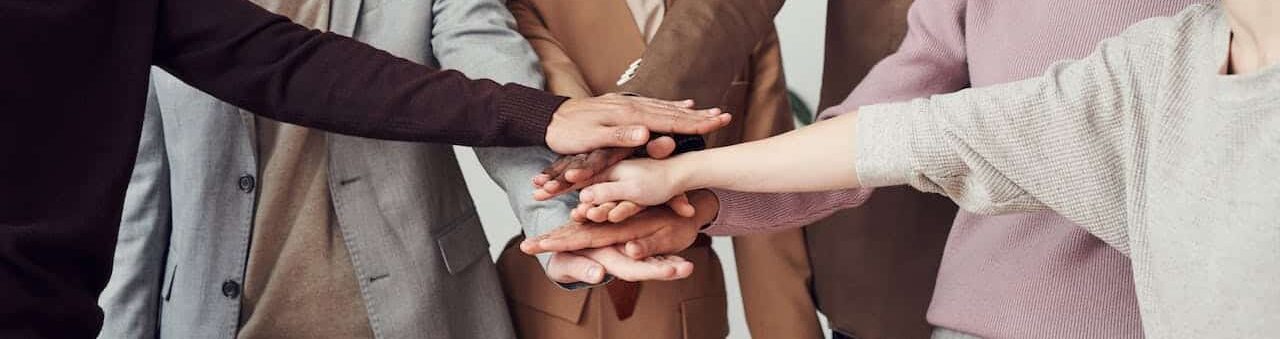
x: 264, y: 63
x: 700, y: 47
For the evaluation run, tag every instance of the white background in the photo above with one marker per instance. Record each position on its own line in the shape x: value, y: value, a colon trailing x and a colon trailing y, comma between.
x: 801, y: 30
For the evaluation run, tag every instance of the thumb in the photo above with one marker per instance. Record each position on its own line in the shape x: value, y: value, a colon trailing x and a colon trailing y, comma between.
x: 662, y: 242
x: 606, y: 192
x: 568, y: 268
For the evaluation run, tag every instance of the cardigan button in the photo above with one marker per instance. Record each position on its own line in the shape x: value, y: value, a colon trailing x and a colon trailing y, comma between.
x: 231, y: 289
x: 247, y: 183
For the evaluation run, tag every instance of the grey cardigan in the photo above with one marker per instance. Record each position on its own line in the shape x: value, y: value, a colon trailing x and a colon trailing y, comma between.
x: 1143, y: 143
x: 415, y: 240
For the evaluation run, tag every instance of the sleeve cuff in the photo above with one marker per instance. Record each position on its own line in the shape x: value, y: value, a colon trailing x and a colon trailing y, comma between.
x: 732, y: 203
x: 882, y: 144
x: 524, y: 114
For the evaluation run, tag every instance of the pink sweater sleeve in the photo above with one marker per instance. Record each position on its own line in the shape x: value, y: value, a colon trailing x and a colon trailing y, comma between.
x: 931, y: 60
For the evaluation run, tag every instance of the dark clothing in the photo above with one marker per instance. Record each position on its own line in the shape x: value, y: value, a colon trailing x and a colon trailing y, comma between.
x: 71, y: 104
x: 874, y: 266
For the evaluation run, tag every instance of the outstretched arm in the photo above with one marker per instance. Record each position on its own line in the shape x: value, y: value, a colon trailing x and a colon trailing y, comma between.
x: 823, y: 151
x: 1061, y: 142
x: 266, y: 64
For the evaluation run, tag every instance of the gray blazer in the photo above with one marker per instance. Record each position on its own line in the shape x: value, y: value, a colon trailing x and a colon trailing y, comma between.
x: 415, y: 240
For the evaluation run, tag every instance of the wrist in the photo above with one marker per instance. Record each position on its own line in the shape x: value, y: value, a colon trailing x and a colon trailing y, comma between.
x: 684, y: 173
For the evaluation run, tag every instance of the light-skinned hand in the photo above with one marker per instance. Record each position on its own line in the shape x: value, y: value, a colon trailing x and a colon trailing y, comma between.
x: 612, y: 120
x: 644, y: 182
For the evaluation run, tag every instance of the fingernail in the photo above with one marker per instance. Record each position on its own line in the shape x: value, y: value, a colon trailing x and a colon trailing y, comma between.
x: 593, y: 273
x: 632, y: 249
x: 636, y: 134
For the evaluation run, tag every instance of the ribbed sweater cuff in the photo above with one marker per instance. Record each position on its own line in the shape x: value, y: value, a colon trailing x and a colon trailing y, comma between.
x: 523, y: 115
x: 730, y: 219
x: 882, y: 144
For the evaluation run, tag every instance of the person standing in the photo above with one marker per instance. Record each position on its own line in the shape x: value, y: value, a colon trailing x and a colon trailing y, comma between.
x: 1008, y: 276
x: 874, y: 267
x: 73, y: 101
x: 324, y: 235
x: 577, y: 65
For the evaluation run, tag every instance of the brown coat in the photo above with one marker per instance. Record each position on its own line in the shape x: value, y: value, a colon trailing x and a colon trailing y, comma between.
x: 874, y: 266
x: 585, y: 45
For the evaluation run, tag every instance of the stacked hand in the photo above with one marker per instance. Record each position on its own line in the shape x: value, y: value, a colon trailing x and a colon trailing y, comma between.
x: 611, y: 120
x: 623, y: 237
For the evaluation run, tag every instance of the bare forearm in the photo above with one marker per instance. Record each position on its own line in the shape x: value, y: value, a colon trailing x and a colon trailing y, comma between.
x: 817, y: 158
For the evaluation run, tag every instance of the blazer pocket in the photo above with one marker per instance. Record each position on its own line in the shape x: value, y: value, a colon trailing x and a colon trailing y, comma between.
x: 705, y: 317
x: 462, y: 243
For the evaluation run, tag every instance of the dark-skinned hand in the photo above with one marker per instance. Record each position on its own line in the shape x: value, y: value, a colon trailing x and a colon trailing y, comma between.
x: 654, y: 231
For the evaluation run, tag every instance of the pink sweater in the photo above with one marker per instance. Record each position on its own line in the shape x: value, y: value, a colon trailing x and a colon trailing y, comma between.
x: 1010, y: 276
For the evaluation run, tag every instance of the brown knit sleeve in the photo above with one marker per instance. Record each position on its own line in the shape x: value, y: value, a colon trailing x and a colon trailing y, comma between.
x: 266, y: 64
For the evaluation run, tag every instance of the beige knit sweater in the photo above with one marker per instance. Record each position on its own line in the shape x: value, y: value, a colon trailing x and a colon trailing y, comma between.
x: 1144, y: 143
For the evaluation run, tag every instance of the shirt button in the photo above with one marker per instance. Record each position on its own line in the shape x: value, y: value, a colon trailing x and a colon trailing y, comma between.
x: 231, y: 289
x: 247, y: 183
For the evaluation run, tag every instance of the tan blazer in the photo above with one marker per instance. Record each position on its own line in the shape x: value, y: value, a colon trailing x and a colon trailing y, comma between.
x: 585, y: 45
x: 874, y: 266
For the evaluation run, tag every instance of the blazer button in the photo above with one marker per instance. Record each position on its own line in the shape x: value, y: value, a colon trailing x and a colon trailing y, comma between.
x: 231, y: 289
x: 247, y: 183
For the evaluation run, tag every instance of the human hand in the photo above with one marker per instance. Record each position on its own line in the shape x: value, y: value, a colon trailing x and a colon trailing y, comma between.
x: 644, y: 182
x: 571, y: 172
x: 654, y: 231
x: 612, y: 120
x: 590, y: 265
x: 616, y: 212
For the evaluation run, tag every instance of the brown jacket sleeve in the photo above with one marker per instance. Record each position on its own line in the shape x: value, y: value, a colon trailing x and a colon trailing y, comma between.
x: 266, y: 64
x: 710, y: 38
x: 773, y: 268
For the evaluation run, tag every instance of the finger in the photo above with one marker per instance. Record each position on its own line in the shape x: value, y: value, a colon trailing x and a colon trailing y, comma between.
x: 684, y: 268
x: 624, y: 210
x: 551, y: 189
x: 686, y: 104
x: 601, y: 213
x: 540, y: 179
x: 583, y: 237
x: 661, y: 147
x: 629, y: 269
x: 576, y: 162
x: 595, y: 163
x: 622, y: 134
x: 658, y: 243
x: 579, y: 214
x: 681, y: 205
x: 679, y: 121
x: 608, y: 191
x: 567, y: 268
x: 582, y: 209
x: 557, y: 166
